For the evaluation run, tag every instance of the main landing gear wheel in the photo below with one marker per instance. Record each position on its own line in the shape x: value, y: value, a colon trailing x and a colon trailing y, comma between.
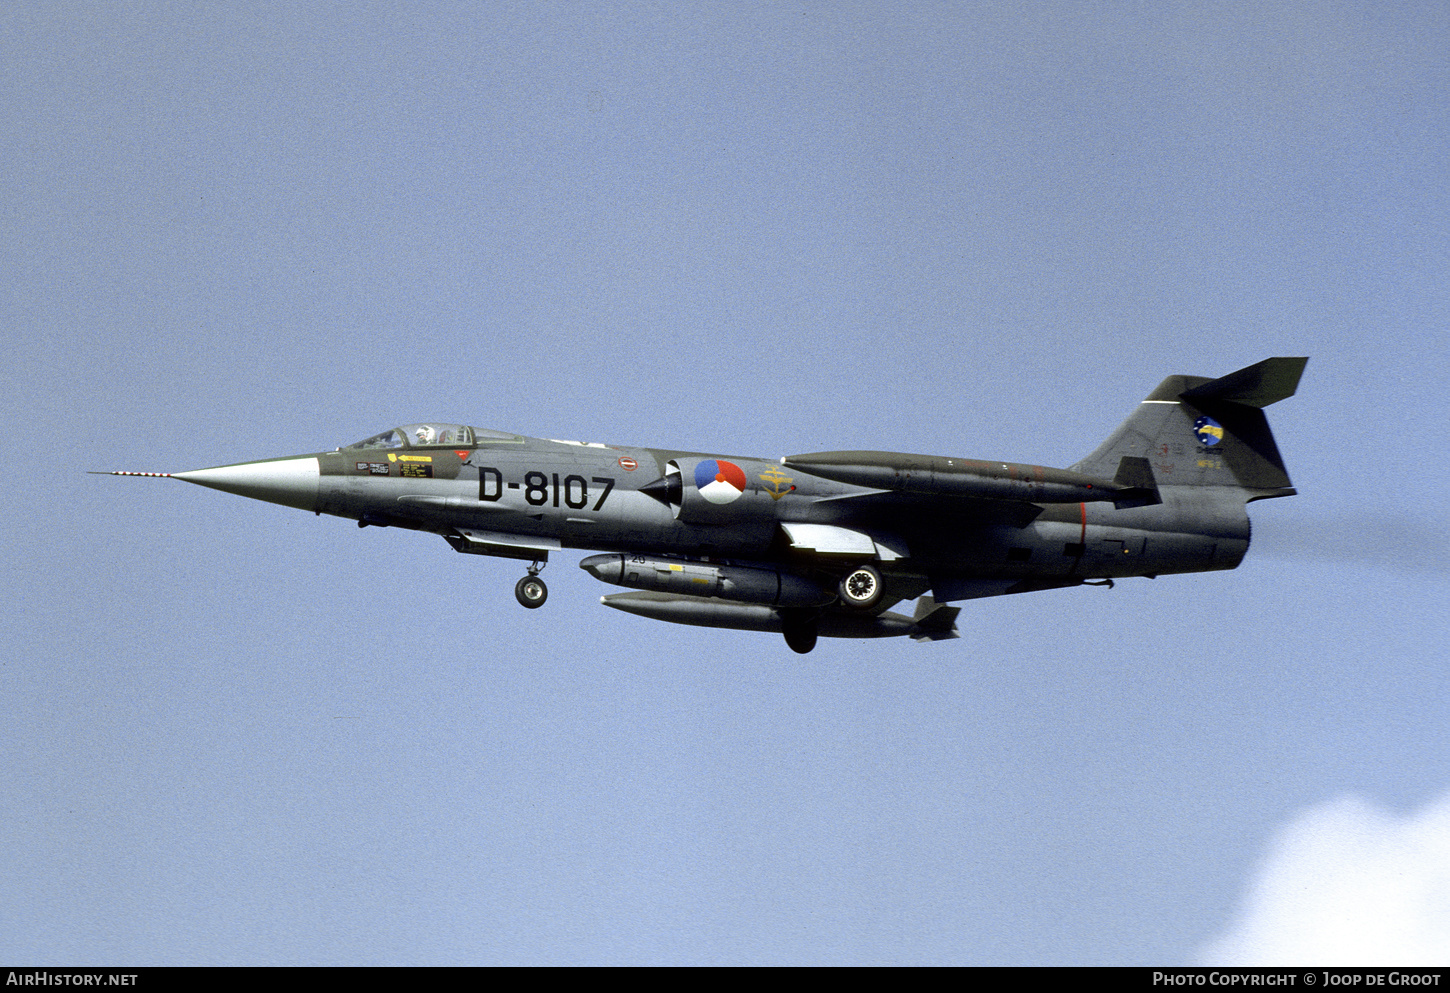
x: 861, y: 588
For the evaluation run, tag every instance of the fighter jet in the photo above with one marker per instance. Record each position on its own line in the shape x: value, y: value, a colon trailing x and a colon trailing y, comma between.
x: 824, y: 544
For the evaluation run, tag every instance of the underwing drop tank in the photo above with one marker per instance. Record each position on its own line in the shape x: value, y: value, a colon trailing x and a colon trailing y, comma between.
x: 745, y: 584
x: 931, y: 621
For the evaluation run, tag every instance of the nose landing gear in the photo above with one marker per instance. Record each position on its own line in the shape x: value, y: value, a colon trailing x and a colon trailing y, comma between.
x: 531, y: 591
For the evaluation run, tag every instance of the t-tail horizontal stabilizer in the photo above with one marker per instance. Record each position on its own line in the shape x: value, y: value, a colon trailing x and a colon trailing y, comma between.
x: 1257, y: 385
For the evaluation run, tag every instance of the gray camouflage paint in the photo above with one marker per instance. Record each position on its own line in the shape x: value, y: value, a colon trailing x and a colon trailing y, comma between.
x: 769, y: 540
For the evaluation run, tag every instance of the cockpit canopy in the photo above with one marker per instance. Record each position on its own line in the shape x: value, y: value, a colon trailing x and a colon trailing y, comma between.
x: 434, y: 435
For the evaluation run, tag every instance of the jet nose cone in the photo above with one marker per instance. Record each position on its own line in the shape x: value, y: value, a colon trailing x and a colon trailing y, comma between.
x: 290, y: 482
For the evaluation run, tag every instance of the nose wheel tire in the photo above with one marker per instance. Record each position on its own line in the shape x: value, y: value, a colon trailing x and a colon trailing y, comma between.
x: 861, y: 588
x: 531, y: 592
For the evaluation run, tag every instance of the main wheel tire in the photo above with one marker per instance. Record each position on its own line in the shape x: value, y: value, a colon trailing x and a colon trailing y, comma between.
x: 861, y: 588
x: 531, y: 592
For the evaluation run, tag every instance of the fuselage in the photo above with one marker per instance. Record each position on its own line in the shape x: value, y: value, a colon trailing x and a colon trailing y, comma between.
x: 822, y: 543
x: 592, y: 496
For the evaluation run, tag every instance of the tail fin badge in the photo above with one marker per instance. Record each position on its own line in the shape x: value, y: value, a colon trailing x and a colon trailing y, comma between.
x: 1209, y: 431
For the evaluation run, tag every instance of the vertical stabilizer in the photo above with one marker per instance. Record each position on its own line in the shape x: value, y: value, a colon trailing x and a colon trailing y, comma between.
x: 1195, y: 431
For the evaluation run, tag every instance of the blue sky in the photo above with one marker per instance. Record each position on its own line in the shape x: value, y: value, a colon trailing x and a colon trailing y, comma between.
x: 239, y: 733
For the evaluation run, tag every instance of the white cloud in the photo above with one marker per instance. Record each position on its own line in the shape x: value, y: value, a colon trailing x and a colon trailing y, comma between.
x: 1348, y: 884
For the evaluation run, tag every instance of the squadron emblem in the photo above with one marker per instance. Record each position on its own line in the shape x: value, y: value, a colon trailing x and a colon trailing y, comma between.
x: 777, y: 483
x: 1209, y: 431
